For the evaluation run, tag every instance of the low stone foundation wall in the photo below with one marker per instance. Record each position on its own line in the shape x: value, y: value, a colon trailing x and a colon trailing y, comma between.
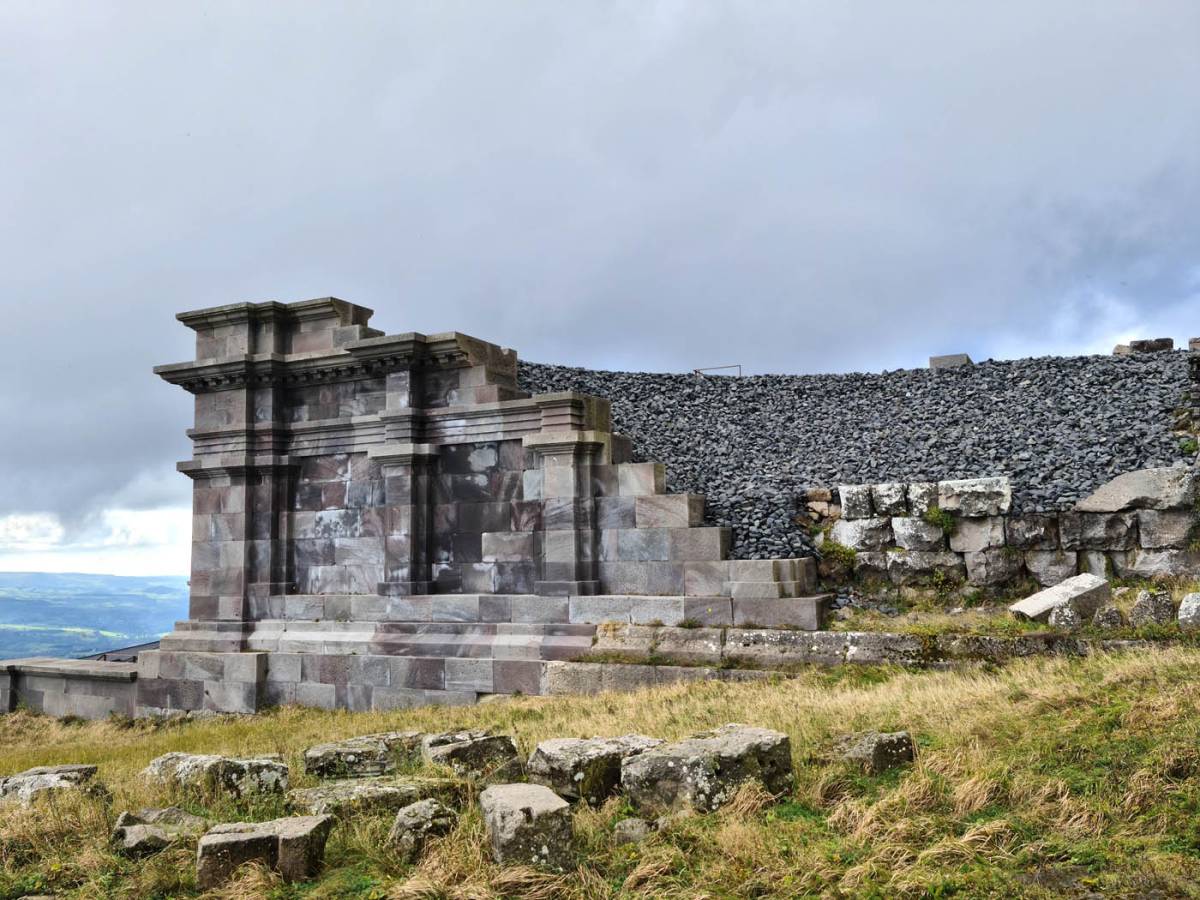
x: 1141, y: 524
x: 88, y: 689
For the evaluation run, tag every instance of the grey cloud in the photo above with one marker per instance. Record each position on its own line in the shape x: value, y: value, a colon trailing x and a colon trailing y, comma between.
x: 790, y: 186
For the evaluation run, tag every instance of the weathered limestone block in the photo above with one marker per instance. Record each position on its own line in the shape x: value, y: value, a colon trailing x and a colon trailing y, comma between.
x: 632, y: 831
x: 294, y: 847
x: 876, y: 752
x: 151, y: 830
x: 1033, y: 531
x: 862, y: 534
x: 1093, y: 562
x: 1162, y: 529
x: 856, y: 501
x: 1189, y: 612
x: 914, y: 533
x: 974, y: 535
x: 873, y: 647
x: 584, y: 769
x: 363, y: 756
x: 1049, y: 567
x: 688, y: 646
x: 889, y: 499
x: 1097, y: 531
x: 1165, y: 488
x: 219, y: 774
x: 922, y: 496
x: 353, y: 796
x: 870, y: 564
x: 989, y: 568
x: 1158, y: 564
x: 478, y: 755
x: 416, y: 823
x: 703, y: 772
x: 527, y: 824
x: 915, y: 567
x: 1108, y: 616
x: 1152, y: 608
x: 40, y: 782
x: 1085, y: 593
x: 1065, y: 617
x: 769, y: 648
x: 975, y: 497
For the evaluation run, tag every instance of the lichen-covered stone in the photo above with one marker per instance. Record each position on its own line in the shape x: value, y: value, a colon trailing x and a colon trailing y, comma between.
x: 1065, y: 617
x: 207, y: 773
x: 1189, y: 611
x: 363, y: 756
x: 889, y: 499
x: 989, y: 568
x: 416, y: 823
x: 150, y: 830
x: 33, y: 784
x: 1086, y: 593
x: 1108, y: 616
x: 973, y: 497
x: 385, y: 793
x: 1031, y: 532
x: 918, y: 567
x: 527, y: 824
x: 1152, y: 608
x: 856, y: 501
x: 584, y: 769
x: 703, y: 772
x: 478, y: 755
x: 1051, y: 567
x: 862, y: 534
x: 922, y: 497
x: 294, y: 847
x: 877, y: 752
x: 973, y: 535
x: 1097, y: 531
x: 914, y: 533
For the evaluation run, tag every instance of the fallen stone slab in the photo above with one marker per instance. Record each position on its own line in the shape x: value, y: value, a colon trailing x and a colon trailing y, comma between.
x: 212, y: 774
x: 704, y: 771
x: 584, y: 769
x: 1164, y: 488
x: 150, y: 830
x: 1152, y: 608
x: 527, y: 824
x: 877, y: 752
x: 1086, y: 593
x: 294, y: 847
x: 478, y: 755
x: 416, y: 823
x: 363, y: 756
x: 384, y: 793
x: 40, y: 782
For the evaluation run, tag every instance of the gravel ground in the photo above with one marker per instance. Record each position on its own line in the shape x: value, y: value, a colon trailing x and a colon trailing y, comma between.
x: 1057, y: 426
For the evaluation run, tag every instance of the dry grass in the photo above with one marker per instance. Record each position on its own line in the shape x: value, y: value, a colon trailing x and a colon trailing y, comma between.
x: 1046, y: 778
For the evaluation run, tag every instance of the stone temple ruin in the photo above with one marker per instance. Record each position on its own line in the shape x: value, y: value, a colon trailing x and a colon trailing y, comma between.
x: 381, y: 521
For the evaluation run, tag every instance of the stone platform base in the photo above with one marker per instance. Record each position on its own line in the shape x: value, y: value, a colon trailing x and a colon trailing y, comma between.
x: 88, y: 689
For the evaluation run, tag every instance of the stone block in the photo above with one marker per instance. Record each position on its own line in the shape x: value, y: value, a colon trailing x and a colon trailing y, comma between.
x: 643, y: 545
x: 1164, y: 488
x: 881, y: 647
x: 669, y: 510
x: 889, y: 499
x: 1093, y: 562
x: 707, y: 610
x: 218, y: 775
x: 991, y: 568
x: 508, y: 546
x: 773, y: 649
x: 975, y: 497
x: 1032, y: 532
x: 517, y: 676
x: 870, y: 564
x: 922, y: 496
x: 527, y: 824
x: 914, y: 533
x: 698, y: 544
x: 875, y: 753
x: 584, y: 769
x: 856, y: 501
x: 705, y: 579
x: 1097, y: 531
x: 757, y: 570
x: 641, y: 479
x: 477, y: 755
x: 363, y: 756
x: 974, y: 535
x: 616, y: 512
x: 657, y: 610
x: 1166, y: 529
x: 1189, y: 612
x: 294, y: 847
x: 862, y: 533
x: 44, y: 782
x: 529, y: 608
x: 950, y: 361
x: 1049, y: 567
x: 1158, y: 564
x: 1152, y: 608
x: 415, y: 824
x: 1084, y: 593
x: 805, y: 613
x: 703, y: 772
x: 916, y: 566
x: 599, y: 609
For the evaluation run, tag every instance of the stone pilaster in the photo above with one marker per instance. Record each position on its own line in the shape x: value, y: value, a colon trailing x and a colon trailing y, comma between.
x: 408, y: 473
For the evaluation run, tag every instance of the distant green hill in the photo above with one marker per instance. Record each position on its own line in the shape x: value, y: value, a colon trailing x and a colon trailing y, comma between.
x: 50, y: 614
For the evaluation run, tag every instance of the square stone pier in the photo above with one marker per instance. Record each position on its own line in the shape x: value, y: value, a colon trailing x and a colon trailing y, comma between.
x: 388, y: 520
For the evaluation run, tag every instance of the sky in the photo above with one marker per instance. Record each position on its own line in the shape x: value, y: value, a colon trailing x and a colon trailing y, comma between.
x: 793, y: 187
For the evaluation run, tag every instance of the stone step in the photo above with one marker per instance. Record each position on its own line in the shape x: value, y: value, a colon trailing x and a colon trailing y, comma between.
x: 804, y: 613
x: 439, y: 645
x: 750, y: 590
x: 293, y: 626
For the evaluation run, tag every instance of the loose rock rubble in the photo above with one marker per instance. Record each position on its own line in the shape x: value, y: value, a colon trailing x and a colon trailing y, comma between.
x: 31, y: 785
x: 294, y: 847
x: 584, y: 769
x: 704, y: 771
x: 207, y: 773
x: 1058, y: 427
x: 527, y: 824
x: 150, y: 830
x: 416, y: 823
x: 875, y: 752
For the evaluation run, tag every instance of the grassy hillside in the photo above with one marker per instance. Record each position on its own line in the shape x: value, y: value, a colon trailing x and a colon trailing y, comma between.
x: 1049, y: 778
x: 51, y: 614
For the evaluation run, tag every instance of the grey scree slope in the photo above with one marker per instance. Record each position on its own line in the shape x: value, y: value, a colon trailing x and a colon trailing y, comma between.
x: 1059, y: 427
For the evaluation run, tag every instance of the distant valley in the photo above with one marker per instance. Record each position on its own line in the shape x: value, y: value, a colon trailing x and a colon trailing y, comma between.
x: 49, y: 614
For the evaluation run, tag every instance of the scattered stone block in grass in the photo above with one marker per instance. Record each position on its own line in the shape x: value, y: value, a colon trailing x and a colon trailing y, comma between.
x: 294, y: 847
x: 385, y: 793
x: 213, y: 774
x: 477, y: 755
x: 1152, y: 608
x: 1189, y: 611
x: 877, y: 752
x: 632, y: 831
x: 584, y: 769
x: 150, y: 830
x: 527, y: 824
x: 363, y: 756
x: 1108, y: 616
x: 40, y: 782
x: 703, y: 772
x: 416, y: 823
